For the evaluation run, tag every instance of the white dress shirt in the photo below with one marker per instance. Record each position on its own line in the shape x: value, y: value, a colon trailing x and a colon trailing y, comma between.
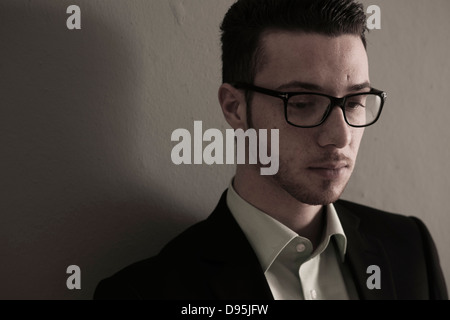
x: 292, y: 269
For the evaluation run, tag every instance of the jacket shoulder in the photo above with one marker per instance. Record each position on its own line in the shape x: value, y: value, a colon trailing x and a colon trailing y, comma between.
x: 376, y: 220
x: 405, y: 239
x: 148, y: 278
x: 184, y: 267
x: 364, y: 211
x: 393, y: 229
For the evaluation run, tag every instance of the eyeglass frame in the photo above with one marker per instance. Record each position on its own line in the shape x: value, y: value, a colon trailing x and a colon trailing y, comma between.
x: 285, y: 96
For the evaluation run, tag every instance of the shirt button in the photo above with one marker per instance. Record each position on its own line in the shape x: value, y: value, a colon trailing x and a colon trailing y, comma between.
x: 301, y: 247
x: 313, y: 294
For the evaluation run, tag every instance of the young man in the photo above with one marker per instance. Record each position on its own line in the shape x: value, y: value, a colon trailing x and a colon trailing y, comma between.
x: 300, y: 67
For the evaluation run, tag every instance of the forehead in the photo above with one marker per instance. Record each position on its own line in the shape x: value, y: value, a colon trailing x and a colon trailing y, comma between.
x: 312, y: 57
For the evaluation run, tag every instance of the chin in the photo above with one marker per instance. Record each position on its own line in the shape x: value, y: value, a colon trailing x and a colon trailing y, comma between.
x: 318, y: 199
x: 326, y: 193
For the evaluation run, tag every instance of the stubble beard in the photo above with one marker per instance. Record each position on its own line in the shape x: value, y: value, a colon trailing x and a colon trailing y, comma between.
x: 315, y: 193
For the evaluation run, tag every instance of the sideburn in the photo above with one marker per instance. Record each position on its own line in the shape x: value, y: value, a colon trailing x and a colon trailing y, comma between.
x: 248, y: 101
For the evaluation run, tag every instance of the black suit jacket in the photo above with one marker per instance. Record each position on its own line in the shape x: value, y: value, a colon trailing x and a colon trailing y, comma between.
x: 214, y: 260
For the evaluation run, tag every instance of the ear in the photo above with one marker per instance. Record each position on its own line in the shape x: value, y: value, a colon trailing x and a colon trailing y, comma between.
x: 234, y: 106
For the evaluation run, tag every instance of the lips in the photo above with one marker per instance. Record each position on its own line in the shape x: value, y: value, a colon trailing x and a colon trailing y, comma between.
x: 332, y: 170
x: 331, y: 166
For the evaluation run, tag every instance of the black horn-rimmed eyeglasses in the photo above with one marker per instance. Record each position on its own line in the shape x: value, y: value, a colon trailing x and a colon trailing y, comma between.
x: 310, y: 109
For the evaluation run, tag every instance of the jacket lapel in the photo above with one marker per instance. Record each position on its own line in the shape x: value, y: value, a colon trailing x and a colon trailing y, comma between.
x: 233, y: 270
x: 364, y: 251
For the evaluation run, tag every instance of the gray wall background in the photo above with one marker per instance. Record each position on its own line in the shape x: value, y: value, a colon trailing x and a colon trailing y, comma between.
x: 86, y: 176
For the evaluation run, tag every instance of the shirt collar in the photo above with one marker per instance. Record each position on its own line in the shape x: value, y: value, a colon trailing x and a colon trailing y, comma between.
x: 268, y: 237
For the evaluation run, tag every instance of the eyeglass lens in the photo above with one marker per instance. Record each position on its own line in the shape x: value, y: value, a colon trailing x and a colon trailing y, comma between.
x: 310, y: 110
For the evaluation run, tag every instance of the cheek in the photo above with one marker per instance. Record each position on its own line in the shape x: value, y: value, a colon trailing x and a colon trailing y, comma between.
x: 296, y: 144
x: 357, y: 136
x: 267, y: 114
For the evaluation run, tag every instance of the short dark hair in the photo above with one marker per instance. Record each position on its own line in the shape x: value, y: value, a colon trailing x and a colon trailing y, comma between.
x: 247, y: 20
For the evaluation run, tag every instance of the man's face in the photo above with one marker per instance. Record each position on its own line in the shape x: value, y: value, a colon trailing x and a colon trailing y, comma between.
x: 315, y: 163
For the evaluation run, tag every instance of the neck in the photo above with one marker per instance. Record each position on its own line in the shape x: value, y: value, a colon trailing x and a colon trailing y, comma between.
x: 265, y: 194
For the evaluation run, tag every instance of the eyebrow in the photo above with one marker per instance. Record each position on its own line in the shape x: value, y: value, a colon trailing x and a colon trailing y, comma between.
x: 315, y: 87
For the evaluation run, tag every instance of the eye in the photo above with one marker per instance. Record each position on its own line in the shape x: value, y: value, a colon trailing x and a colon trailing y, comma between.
x: 356, y: 102
x: 354, y: 105
x: 300, y: 105
x: 306, y: 102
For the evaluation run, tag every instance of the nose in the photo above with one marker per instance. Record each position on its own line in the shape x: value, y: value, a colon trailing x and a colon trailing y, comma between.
x: 335, y: 131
